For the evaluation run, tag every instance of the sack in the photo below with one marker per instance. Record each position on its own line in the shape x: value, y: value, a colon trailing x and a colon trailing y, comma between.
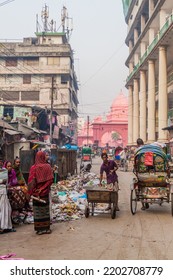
x: 17, y: 198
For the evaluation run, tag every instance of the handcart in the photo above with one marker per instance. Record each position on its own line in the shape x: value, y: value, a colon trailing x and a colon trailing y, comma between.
x: 100, y: 195
x: 152, y: 184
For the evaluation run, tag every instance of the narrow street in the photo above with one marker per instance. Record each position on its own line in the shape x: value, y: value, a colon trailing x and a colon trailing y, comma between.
x: 144, y: 236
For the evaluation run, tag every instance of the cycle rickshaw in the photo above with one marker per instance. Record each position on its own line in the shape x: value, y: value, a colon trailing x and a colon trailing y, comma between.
x: 152, y: 183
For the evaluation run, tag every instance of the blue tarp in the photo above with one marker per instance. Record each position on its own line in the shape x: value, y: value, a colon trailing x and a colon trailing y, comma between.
x: 71, y: 147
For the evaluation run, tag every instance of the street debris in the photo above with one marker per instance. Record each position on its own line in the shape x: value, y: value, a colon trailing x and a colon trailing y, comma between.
x: 68, y: 198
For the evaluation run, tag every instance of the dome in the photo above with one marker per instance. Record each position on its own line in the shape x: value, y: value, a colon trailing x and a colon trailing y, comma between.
x: 97, y: 119
x: 120, y: 101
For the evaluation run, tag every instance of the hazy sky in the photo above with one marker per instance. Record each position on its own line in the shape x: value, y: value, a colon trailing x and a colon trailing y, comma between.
x: 98, y: 36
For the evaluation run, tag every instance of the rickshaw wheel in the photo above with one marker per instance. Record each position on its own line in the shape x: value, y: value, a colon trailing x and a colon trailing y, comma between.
x: 113, y: 212
x: 172, y: 203
x: 133, y: 202
x: 87, y: 211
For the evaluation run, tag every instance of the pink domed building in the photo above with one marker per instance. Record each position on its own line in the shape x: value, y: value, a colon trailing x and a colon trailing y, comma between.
x: 113, y: 131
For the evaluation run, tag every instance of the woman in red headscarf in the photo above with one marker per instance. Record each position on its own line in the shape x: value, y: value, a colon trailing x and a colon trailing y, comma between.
x: 39, y: 182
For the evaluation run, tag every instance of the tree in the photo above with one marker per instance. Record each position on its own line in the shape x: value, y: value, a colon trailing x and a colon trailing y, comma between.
x: 115, y: 136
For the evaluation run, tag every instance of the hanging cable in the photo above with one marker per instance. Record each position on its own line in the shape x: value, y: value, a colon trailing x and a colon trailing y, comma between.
x: 6, y: 2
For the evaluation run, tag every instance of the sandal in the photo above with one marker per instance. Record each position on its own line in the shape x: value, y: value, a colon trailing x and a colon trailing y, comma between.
x: 7, y: 230
x: 39, y: 232
x: 49, y: 231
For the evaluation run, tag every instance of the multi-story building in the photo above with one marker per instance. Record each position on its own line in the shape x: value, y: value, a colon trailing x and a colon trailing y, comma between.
x: 150, y: 63
x: 38, y: 70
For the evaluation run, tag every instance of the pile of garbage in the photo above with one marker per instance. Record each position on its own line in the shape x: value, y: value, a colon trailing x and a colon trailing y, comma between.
x: 69, y: 197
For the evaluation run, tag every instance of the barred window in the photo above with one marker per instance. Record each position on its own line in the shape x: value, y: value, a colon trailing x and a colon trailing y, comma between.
x: 65, y: 78
x: 11, y: 95
x: 30, y: 96
x: 26, y: 79
x: 11, y: 62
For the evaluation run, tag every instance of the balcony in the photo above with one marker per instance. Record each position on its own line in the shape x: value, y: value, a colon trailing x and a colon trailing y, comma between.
x: 151, y: 47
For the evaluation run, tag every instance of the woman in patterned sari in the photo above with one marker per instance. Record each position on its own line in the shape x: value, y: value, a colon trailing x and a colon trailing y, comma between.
x: 21, y: 181
x: 39, y: 182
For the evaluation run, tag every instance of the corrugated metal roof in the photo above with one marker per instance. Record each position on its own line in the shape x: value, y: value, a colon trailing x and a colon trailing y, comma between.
x: 4, y: 124
x: 12, y: 132
x: 33, y: 129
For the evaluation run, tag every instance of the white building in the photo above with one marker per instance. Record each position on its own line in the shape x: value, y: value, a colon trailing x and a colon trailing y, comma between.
x: 150, y: 63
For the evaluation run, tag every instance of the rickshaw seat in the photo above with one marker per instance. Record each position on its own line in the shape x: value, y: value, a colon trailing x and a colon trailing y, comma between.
x: 157, y: 177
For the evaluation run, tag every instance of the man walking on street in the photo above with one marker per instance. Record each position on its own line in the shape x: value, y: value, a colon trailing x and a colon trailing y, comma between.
x: 109, y: 167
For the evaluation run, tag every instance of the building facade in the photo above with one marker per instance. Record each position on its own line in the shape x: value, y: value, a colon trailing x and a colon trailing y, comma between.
x: 150, y: 63
x: 40, y: 71
x: 110, y: 131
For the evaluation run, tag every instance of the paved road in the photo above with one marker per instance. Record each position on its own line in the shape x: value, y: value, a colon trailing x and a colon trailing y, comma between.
x: 146, y: 235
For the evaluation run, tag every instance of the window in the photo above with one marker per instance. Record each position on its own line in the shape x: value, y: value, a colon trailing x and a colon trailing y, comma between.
x: 65, y: 78
x: 53, y: 60
x: 11, y: 62
x: 30, y: 96
x: 26, y: 79
x: 11, y: 95
x: 31, y: 61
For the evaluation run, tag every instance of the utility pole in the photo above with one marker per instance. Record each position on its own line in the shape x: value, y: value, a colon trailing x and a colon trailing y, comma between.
x: 87, y: 129
x: 51, y: 108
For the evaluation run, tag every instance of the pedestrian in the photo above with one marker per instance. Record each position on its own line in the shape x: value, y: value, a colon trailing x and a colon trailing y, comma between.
x: 5, y: 207
x: 21, y: 181
x: 47, y: 155
x: 39, y: 183
x: 16, y: 195
x: 12, y: 179
x: 123, y: 158
x: 19, y: 175
x: 109, y: 167
x: 139, y: 142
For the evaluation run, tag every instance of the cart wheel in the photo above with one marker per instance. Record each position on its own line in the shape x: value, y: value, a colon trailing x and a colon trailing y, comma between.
x: 93, y: 204
x: 147, y: 205
x: 87, y: 211
x: 133, y: 202
x: 113, y: 212
x: 172, y: 203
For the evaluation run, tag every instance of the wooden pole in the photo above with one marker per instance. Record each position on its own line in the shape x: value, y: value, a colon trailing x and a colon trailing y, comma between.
x: 51, y: 108
x: 87, y: 130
